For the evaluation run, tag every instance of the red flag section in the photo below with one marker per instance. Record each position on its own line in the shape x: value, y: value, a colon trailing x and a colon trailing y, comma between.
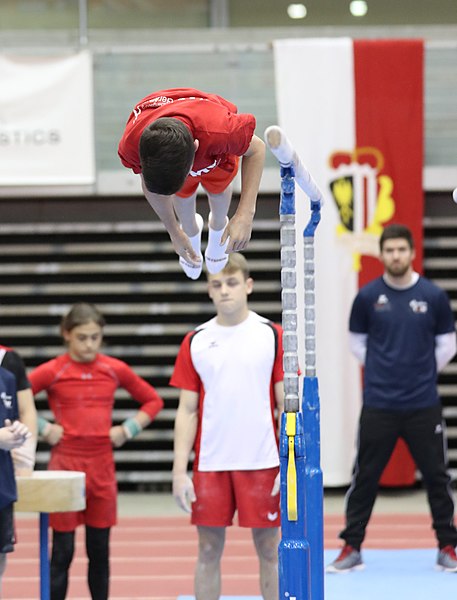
x: 389, y: 110
x: 389, y: 120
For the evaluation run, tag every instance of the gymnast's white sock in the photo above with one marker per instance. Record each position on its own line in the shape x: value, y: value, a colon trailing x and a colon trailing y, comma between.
x: 215, y: 256
x: 192, y: 271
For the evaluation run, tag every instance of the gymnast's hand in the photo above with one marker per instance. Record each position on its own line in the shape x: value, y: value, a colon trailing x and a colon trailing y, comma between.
x: 117, y: 436
x: 237, y: 233
x: 183, y: 247
x: 53, y: 434
x: 183, y: 491
x: 276, y: 484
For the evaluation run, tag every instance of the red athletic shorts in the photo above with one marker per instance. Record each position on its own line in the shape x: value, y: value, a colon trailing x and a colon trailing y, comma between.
x: 214, y: 182
x: 101, y: 491
x: 221, y: 493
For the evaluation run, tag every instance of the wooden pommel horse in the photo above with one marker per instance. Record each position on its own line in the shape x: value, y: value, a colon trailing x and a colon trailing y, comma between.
x: 45, y: 492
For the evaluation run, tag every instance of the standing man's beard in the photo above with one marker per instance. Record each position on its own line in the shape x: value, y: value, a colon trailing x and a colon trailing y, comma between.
x: 397, y: 271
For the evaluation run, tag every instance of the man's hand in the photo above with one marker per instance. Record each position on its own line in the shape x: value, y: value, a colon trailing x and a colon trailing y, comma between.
x: 238, y: 233
x: 183, y: 247
x: 276, y: 485
x: 183, y: 491
x: 24, y: 457
x: 13, y: 435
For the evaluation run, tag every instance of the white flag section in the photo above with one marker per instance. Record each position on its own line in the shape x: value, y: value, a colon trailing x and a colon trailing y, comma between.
x: 46, y: 121
x: 316, y: 111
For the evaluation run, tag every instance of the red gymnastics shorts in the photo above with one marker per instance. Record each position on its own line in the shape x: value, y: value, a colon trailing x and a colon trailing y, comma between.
x: 101, y: 491
x: 221, y: 493
x: 214, y: 182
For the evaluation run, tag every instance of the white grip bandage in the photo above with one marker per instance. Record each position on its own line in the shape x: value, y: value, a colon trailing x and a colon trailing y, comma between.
x: 24, y: 457
x: 282, y: 149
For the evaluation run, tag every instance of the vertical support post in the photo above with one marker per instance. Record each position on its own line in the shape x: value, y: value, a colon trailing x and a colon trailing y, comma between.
x: 294, y: 551
x: 83, y: 37
x: 311, y: 415
x: 289, y: 290
x: 45, y: 576
x: 294, y: 560
x: 219, y: 14
x: 306, y: 538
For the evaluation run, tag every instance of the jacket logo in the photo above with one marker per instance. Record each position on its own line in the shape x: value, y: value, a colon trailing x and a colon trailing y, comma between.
x: 382, y: 303
x: 418, y: 306
x: 7, y: 400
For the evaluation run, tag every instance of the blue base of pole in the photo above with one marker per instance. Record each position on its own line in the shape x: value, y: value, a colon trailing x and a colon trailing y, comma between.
x: 45, y: 580
x: 313, y: 487
x: 294, y: 551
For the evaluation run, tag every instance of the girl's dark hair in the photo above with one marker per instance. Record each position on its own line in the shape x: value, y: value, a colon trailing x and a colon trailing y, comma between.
x: 80, y: 314
x: 167, y: 154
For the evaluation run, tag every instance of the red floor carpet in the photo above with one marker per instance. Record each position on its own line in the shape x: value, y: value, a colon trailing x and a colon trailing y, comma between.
x: 154, y: 558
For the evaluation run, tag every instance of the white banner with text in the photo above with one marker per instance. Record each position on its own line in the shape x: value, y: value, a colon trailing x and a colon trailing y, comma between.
x: 46, y: 121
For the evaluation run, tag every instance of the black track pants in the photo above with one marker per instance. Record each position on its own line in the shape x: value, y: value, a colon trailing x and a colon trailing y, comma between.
x: 97, y: 548
x: 423, y: 432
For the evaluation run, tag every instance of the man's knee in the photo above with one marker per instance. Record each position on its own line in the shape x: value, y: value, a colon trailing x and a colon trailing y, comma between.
x: 266, y: 543
x: 210, y: 545
x: 208, y: 554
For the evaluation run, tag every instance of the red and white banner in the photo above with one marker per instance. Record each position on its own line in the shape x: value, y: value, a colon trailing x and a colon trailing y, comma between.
x: 354, y: 112
x: 46, y: 121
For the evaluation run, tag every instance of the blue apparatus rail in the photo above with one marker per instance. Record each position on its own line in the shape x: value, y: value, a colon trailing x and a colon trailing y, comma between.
x: 301, y: 568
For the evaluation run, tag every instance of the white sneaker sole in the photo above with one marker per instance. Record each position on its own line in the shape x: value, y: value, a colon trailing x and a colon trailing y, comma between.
x: 446, y: 569
x: 332, y: 569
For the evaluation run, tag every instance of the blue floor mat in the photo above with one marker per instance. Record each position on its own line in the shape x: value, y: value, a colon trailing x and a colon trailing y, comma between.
x: 392, y: 575
x: 388, y: 575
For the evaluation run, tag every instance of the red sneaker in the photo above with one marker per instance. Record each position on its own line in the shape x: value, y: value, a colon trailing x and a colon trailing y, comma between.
x: 447, y: 559
x: 349, y: 559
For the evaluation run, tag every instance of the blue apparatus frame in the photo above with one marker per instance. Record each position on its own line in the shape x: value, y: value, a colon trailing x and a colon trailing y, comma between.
x: 301, y: 568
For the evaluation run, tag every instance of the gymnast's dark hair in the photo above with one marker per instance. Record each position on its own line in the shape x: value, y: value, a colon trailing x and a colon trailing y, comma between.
x: 395, y: 231
x: 166, y: 154
x: 80, y: 314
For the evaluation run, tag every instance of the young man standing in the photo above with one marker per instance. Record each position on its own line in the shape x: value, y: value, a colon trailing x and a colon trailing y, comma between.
x: 181, y: 137
x: 402, y: 330
x: 230, y: 374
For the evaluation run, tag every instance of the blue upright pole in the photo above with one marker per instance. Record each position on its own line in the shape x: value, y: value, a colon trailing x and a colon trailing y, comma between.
x: 311, y: 415
x: 294, y: 556
x: 45, y: 579
x: 294, y: 553
x: 301, y: 548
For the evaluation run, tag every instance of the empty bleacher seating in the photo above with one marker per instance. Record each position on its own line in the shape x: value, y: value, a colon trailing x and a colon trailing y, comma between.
x: 127, y: 267
x: 129, y: 270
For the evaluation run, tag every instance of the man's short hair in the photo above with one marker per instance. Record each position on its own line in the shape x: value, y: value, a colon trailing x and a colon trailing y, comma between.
x: 395, y: 231
x: 236, y: 262
x: 167, y: 153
